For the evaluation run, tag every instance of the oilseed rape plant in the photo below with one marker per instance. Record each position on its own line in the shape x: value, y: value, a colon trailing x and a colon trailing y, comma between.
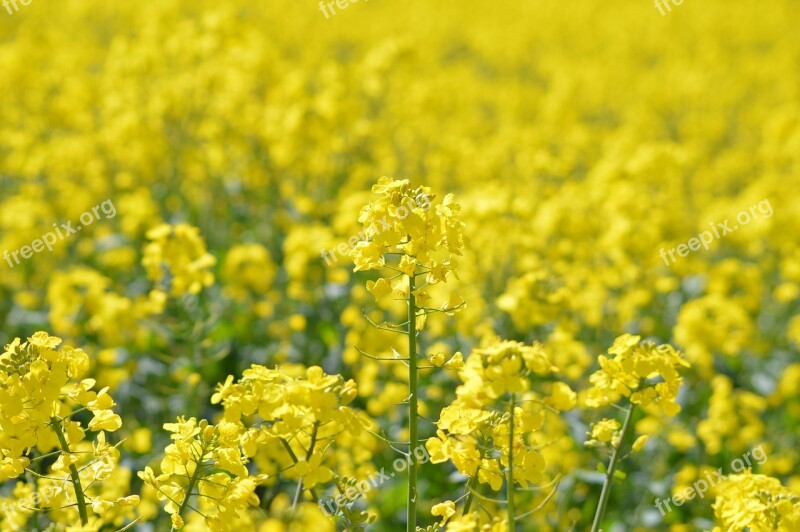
x: 375, y: 266
x: 41, y: 392
x: 427, y: 243
x: 487, y: 431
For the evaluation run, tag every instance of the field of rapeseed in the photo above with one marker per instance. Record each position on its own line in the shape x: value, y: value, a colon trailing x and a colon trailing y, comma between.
x: 424, y: 265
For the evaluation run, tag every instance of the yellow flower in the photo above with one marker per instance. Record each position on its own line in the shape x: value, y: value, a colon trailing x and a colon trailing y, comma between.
x: 528, y: 467
x: 312, y: 471
x: 105, y: 420
x: 466, y: 457
x: 380, y: 288
x: 367, y: 256
x: 177, y: 256
x: 401, y: 222
x: 456, y: 362
x: 438, y: 447
x: 756, y: 502
x: 445, y: 510
x: 247, y: 270
x: 505, y: 376
x: 177, y: 521
x: 604, y: 430
x: 639, y: 444
x: 437, y: 359
x: 633, y: 372
x: 460, y: 419
x: 562, y: 397
x: 489, y: 473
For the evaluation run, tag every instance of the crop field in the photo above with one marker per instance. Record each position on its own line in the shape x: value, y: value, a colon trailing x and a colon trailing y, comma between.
x: 370, y: 265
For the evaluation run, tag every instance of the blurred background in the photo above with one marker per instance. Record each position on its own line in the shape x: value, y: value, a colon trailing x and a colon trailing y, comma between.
x: 580, y: 139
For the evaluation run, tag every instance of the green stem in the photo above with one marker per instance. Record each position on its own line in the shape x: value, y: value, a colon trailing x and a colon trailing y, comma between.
x: 73, y: 471
x: 612, y: 466
x: 411, y: 522
x: 34, y: 523
x: 510, y: 480
x: 295, y: 460
x: 192, y: 482
x: 470, y: 486
x: 299, y: 490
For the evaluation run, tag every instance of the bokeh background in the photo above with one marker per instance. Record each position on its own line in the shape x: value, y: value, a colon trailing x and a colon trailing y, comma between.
x: 579, y: 138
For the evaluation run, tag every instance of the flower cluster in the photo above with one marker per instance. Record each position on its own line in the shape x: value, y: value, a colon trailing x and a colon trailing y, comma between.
x: 38, y: 384
x: 204, y: 461
x: 733, y: 421
x: 757, y: 503
x: 41, y: 394
x: 82, y: 301
x: 480, y: 438
x: 288, y: 421
x: 606, y: 432
x: 428, y: 238
x: 284, y: 516
x: 176, y: 257
x: 644, y: 372
x: 247, y: 271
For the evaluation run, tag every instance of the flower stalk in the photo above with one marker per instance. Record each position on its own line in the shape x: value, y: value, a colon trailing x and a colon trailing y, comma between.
x: 510, y: 511
x: 298, y: 493
x: 80, y: 498
x: 612, y: 466
x: 401, y: 223
x: 413, y: 419
x: 192, y: 483
x: 471, y: 485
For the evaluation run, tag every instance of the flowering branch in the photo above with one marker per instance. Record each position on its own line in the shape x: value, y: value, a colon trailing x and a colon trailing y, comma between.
x: 612, y: 465
x: 413, y: 421
x: 510, y: 481
x: 73, y: 471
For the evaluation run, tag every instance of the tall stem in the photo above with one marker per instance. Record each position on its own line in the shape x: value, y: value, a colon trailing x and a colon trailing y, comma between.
x: 510, y: 480
x: 295, y: 460
x: 413, y: 443
x: 470, y: 486
x: 612, y: 466
x: 192, y: 483
x: 73, y: 471
x: 299, y: 490
x: 32, y: 524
